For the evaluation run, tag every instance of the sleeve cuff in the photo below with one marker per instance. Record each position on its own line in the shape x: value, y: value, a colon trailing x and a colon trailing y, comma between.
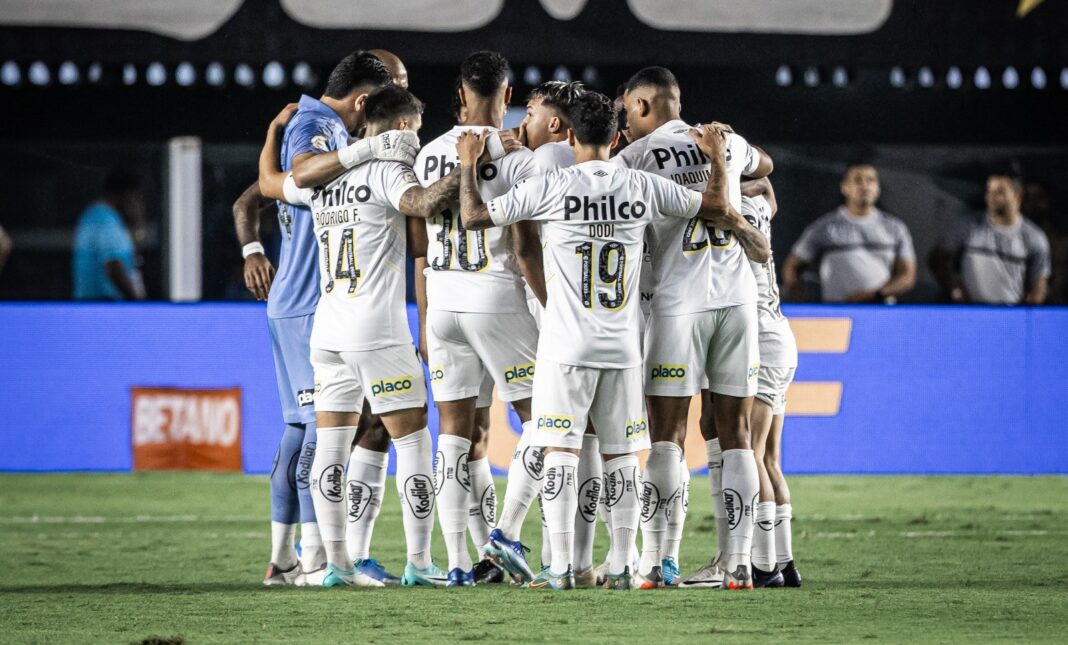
x: 398, y: 193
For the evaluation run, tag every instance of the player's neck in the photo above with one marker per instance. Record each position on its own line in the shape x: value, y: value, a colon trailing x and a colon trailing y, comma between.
x: 660, y: 117
x: 483, y: 114
x: 591, y: 153
x: 1004, y: 218
x: 350, y: 119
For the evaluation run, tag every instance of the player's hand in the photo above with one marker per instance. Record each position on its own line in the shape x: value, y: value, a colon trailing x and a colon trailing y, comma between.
x: 282, y: 120
x: 521, y: 133
x: 711, y: 140
x: 396, y: 145
x: 423, y: 353
x: 471, y: 146
x: 866, y: 295
x: 723, y: 126
x: 259, y: 274
x: 513, y: 140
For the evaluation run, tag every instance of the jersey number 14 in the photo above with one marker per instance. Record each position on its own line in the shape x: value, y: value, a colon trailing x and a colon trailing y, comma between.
x: 346, y: 261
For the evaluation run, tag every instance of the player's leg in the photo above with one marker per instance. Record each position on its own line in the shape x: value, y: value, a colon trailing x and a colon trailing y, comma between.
x: 765, y: 573
x: 366, y: 484
x: 590, y: 478
x: 398, y: 395
x: 734, y: 360
x: 482, y: 515
x: 677, y: 509
x: 312, y: 553
x: 784, y: 553
x: 285, y: 509
x: 618, y: 413
x: 710, y: 576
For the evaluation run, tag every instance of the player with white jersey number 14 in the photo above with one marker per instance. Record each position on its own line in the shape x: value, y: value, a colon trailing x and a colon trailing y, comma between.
x: 594, y: 216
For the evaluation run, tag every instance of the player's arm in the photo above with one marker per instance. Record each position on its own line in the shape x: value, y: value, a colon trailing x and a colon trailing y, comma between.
x: 716, y: 208
x: 259, y: 273
x: 473, y: 211
x: 764, y: 164
x: 271, y: 177
x: 427, y: 202
x: 792, y: 270
x: 528, y: 253
x: 761, y: 188
x: 311, y: 169
x: 1036, y: 294
x: 417, y: 243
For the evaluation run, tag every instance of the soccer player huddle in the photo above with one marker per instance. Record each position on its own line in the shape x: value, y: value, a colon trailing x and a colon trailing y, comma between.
x: 599, y: 267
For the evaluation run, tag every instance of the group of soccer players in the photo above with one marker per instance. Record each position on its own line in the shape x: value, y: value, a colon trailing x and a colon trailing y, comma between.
x: 599, y: 266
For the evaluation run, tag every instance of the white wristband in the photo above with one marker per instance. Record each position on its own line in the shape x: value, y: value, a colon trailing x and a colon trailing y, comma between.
x: 495, y: 146
x: 355, y: 154
x: 251, y: 248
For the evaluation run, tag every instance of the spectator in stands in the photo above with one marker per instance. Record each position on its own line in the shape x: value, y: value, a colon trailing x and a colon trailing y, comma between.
x: 5, y: 248
x: 860, y: 253
x: 1002, y: 258
x: 105, y: 261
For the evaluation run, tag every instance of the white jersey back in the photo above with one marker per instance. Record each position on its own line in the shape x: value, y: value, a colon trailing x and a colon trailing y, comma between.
x: 473, y: 271
x: 362, y: 245
x: 687, y: 254
x: 758, y: 211
x: 594, y: 217
x: 554, y: 156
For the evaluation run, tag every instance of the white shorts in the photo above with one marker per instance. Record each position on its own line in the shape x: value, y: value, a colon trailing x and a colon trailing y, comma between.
x: 715, y: 349
x: 567, y: 397
x: 536, y: 310
x: 392, y: 376
x: 778, y: 347
x: 772, y: 383
x: 464, y: 348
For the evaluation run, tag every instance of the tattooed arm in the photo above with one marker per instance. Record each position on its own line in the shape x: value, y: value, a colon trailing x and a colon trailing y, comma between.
x: 430, y: 201
x: 473, y: 211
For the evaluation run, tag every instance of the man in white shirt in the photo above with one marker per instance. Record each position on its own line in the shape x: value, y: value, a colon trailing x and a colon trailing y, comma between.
x: 594, y: 218
x: 702, y: 330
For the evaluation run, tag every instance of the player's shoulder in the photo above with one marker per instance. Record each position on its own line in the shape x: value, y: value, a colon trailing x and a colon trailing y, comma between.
x: 554, y: 155
x: 633, y: 156
x: 434, y: 146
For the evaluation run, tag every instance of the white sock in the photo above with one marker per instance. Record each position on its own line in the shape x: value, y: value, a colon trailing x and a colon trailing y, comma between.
x: 482, y: 513
x: 605, y: 510
x: 453, y: 485
x: 283, y: 551
x: 525, y: 475
x: 660, y: 481
x: 590, y: 473
x: 740, y: 488
x: 764, y: 536
x: 677, y: 510
x: 784, y: 539
x: 312, y: 553
x: 328, y: 490
x: 624, y: 482
x: 560, y: 502
x: 415, y: 485
x: 366, y: 479
x: 715, y: 481
x: 546, y: 543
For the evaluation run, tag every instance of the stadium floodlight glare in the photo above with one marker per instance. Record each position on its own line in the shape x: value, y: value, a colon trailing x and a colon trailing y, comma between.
x: 954, y: 78
x: 1064, y: 78
x: 68, y: 73
x: 1038, y: 78
x: 303, y: 75
x: 925, y: 77
x: 1010, y: 78
x: 156, y: 74
x: 532, y: 75
x: 897, y: 77
x: 95, y: 73
x: 784, y: 76
x: 982, y: 78
x: 840, y: 77
x: 274, y: 75
x: 562, y: 73
x: 590, y: 75
x: 811, y: 77
x: 215, y: 74
x: 129, y: 74
x: 185, y: 74
x: 243, y: 75
x: 38, y: 73
x: 10, y: 74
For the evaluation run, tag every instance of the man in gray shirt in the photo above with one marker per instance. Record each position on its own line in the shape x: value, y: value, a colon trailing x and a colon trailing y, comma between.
x: 1002, y: 258
x: 861, y: 253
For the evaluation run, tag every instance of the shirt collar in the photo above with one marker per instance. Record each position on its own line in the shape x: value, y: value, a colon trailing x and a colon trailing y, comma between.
x: 310, y: 104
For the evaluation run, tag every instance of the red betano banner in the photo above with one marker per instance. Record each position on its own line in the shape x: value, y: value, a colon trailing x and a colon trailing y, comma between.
x: 184, y: 429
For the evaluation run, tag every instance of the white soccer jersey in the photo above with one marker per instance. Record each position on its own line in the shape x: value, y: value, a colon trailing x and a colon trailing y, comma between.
x: 593, y: 216
x: 554, y: 156
x: 687, y: 254
x: 362, y: 247
x: 758, y: 211
x: 471, y: 271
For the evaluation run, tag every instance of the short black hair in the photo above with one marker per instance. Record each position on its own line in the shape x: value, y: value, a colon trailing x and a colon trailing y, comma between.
x: 593, y: 119
x: 356, y: 69
x: 558, y: 95
x: 121, y: 181
x: 455, y: 106
x: 659, y: 77
x: 390, y: 102
x: 484, y: 72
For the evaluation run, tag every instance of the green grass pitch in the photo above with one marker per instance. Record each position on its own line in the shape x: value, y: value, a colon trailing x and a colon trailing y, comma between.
x: 118, y: 558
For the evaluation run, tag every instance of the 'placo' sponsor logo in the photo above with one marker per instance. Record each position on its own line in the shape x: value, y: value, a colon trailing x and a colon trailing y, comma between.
x: 518, y: 373
x: 555, y: 423
x: 668, y: 372
x: 392, y: 386
x: 636, y: 429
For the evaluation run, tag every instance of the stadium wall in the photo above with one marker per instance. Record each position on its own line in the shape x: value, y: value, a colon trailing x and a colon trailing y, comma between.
x: 904, y: 389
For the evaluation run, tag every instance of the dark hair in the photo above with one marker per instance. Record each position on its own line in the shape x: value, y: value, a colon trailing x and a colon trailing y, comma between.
x: 558, y: 95
x: 455, y: 106
x: 659, y: 77
x: 856, y: 163
x: 484, y: 71
x: 593, y: 119
x: 390, y: 102
x: 1011, y: 177
x: 121, y: 181
x: 356, y: 69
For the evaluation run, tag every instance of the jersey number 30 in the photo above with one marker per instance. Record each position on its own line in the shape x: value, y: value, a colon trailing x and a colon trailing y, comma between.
x: 609, y: 275
x: 463, y: 244
x: 346, y: 261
